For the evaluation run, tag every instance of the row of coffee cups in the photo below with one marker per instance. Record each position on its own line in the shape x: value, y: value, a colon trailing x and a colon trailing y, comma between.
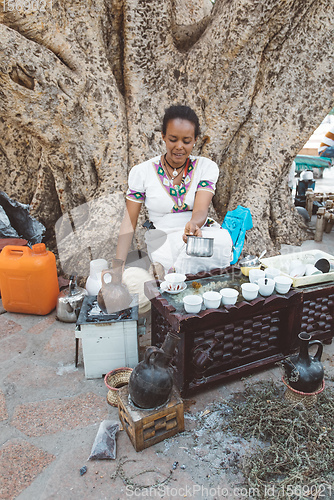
x: 211, y: 299
x: 267, y: 281
x: 266, y: 286
x: 229, y: 296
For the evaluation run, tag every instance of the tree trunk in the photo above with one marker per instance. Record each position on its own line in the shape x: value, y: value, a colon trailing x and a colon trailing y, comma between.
x: 84, y: 89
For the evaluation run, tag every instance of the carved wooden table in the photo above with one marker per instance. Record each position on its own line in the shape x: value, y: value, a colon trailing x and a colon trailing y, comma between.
x: 218, y: 344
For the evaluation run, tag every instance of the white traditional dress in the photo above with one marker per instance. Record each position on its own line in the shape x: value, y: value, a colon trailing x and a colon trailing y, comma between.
x: 170, y: 208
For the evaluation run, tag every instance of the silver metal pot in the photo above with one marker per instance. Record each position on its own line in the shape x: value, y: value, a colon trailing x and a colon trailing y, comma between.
x: 249, y: 261
x: 199, y: 247
x: 69, y: 302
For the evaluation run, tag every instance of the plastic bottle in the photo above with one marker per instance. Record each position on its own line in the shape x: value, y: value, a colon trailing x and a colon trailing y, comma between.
x: 28, y: 279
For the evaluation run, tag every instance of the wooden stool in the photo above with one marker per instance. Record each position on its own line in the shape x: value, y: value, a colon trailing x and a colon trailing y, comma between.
x: 148, y: 427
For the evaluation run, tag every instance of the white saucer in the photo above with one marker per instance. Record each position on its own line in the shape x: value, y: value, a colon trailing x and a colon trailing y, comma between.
x: 172, y: 292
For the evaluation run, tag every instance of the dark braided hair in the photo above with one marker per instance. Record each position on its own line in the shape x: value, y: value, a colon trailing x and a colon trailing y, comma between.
x: 182, y: 112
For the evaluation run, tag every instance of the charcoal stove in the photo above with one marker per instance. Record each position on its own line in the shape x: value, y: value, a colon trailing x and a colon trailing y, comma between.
x: 109, y: 341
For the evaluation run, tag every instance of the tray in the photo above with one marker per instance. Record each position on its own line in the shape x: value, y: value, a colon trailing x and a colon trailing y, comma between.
x: 282, y: 262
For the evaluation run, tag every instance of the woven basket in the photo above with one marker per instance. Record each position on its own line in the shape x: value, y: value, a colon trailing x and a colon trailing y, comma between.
x: 114, y: 380
x: 308, y: 399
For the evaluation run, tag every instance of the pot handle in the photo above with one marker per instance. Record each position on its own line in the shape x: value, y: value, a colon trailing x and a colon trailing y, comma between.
x: 149, y: 352
x: 103, y: 273
x: 318, y: 354
x: 72, y: 284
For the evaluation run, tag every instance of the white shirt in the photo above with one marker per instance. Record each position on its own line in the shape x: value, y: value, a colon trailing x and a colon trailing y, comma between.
x: 149, y: 184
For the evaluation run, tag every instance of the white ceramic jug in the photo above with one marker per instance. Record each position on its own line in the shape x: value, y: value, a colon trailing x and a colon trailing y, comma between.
x: 94, y: 283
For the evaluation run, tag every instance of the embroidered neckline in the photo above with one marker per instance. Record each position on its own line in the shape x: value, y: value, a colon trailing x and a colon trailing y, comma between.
x: 177, y: 193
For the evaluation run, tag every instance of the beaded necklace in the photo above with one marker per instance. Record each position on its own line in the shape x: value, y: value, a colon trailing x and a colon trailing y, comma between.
x: 175, y: 171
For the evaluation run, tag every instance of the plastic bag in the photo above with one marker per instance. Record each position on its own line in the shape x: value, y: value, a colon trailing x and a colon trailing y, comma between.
x: 104, y: 446
x: 6, y: 230
x: 22, y: 223
x: 237, y: 222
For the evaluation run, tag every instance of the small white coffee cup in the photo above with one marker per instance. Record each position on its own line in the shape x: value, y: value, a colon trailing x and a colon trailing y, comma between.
x: 229, y: 296
x: 297, y: 269
x: 256, y: 274
x: 311, y: 270
x: 294, y: 263
x: 266, y: 286
x: 175, y: 281
x: 283, y: 284
x: 192, y: 303
x: 271, y: 272
x: 249, y: 290
x: 212, y: 299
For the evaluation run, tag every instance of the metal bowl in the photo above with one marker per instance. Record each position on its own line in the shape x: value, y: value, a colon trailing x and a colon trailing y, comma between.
x: 249, y: 262
x: 199, y: 247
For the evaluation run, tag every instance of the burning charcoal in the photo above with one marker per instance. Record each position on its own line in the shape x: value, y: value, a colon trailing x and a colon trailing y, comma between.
x: 92, y: 313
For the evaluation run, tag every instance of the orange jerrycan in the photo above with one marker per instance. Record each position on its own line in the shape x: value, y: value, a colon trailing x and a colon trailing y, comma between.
x: 28, y: 279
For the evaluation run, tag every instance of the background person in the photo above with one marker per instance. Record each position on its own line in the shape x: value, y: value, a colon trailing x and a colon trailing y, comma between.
x: 326, y: 148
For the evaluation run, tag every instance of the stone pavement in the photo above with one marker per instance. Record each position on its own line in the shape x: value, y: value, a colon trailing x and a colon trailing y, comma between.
x: 50, y: 414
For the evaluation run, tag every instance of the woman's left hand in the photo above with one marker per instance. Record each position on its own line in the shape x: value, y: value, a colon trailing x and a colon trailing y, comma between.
x: 191, y: 229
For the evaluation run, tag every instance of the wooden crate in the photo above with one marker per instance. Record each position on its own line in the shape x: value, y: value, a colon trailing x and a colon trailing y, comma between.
x: 148, y: 427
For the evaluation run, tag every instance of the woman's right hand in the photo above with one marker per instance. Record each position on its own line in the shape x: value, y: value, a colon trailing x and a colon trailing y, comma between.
x: 191, y: 229
x: 199, y: 214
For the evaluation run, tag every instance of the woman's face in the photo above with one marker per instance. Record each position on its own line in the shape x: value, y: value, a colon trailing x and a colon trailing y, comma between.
x: 180, y: 140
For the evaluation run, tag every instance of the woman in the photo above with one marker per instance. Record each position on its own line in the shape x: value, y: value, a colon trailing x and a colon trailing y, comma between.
x: 177, y: 190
